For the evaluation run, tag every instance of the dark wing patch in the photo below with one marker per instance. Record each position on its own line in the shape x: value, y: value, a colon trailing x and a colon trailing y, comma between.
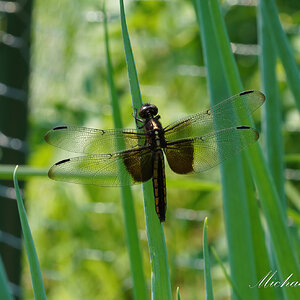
x: 221, y: 114
x: 208, y: 150
x: 94, y: 141
x: 118, y: 169
x: 139, y: 165
x: 180, y: 156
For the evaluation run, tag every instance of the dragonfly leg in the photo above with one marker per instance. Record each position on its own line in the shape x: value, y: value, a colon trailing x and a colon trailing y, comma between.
x: 138, y: 120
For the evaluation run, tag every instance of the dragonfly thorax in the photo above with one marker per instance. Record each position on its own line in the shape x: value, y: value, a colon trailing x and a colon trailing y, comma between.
x: 154, y: 133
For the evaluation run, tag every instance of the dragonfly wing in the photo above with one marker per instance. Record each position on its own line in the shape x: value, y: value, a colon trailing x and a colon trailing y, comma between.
x: 202, y: 153
x: 94, y: 141
x: 117, y: 169
x: 202, y: 123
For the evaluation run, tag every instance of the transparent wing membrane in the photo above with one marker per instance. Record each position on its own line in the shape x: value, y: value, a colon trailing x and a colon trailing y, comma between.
x: 202, y: 153
x: 192, y: 145
x: 222, y: 114
x: 118, y: 169
x: 94, y: 141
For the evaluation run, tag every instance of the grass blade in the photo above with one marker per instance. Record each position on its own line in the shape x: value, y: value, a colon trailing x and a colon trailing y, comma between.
x: 271, y: 125
x: 36, y: 276
x: 177, y: 294
x: 208, y: 282
x: 284, y: 49
x: 227, y: 276
x: 160, y: 279
x: 24, y: 172
x: 233, y: 179
x: 272, y: 110
x: 261, y: 259
x: 131, y: 231
x: 270, y: 202
x: 131, y: 69
x: 5, y: 292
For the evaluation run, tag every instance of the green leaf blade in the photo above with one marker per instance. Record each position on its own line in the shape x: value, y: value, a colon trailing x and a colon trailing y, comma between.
x: 36, y: 276
x: 177, y: 294
x: 5, y: 292
x: 131, y: 230
x: 272, y: 123
x: 208, y: 282
x: 233, y: 178
x: 160, y: 278
x: 283, y: 47
x: 270, y: 201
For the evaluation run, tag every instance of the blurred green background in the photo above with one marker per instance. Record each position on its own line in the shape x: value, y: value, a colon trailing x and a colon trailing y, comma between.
x: 78, y: 230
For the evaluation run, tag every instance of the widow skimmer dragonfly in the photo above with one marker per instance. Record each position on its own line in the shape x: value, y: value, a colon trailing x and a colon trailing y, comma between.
x: 123, y: 157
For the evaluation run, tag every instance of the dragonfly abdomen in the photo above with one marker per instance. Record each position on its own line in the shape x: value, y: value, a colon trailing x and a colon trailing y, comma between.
x: 159, y: 184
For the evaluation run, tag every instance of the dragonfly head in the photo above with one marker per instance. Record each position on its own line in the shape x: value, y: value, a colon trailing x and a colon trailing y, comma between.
x: 148, y: 110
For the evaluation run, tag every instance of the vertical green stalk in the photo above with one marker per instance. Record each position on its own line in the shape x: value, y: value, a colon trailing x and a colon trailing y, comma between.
x: 131, y: 231
x: 272, y: 111
x: 261, y: 258
x: 283, y: 47
x: 5, y: 292
x: 236, y: 214
x: 270, y: 202
x: 208, y: 282
x: 177, y: 294
x: 36, y: 276
x: 219, y: 261
x: 160, y: 279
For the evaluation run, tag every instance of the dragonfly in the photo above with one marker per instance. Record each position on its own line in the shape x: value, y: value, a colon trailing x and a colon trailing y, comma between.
x: 123, y: 157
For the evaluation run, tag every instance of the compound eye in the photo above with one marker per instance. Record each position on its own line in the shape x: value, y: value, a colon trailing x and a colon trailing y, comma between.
x: 143, y: 111
x: 148, y: 110
x: 154, y: 110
